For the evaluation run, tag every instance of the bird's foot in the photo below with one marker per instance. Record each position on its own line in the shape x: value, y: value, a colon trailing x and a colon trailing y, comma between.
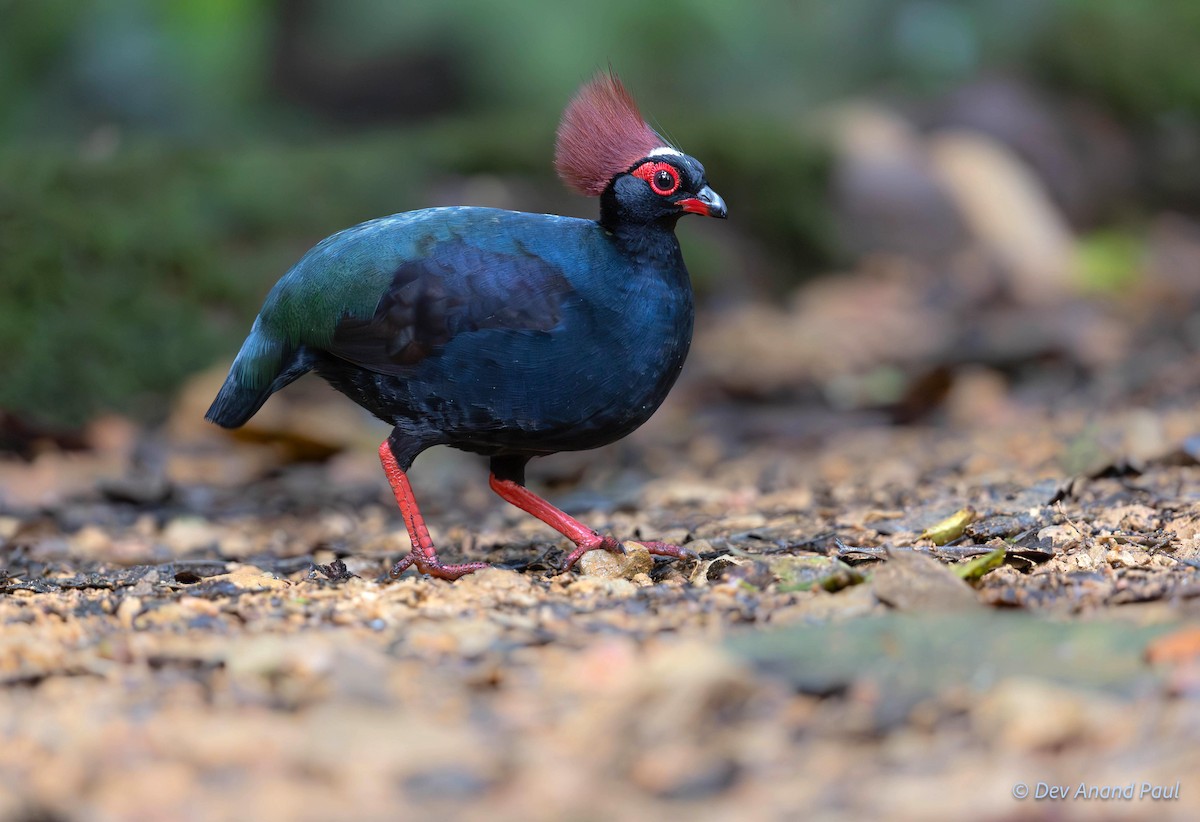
x: 423, y: 554
x: 585, y: 538
x: 434, y: 567
x: 610, y: 543
x: 595, y: 543
x: 666, y: 549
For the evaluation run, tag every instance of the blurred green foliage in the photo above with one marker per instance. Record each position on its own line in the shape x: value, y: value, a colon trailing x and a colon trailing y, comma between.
x: 1138, y: 58
x: 122, y: 275
x: 161, y: 164
x: 1108, y: 261
x: 125, y: 273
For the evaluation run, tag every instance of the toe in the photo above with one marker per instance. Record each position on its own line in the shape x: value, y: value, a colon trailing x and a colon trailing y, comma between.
x: 666, y: 549
x: 434, y: 568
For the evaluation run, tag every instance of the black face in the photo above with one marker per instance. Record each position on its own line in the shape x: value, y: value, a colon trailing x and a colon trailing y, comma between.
x: 665, y: 185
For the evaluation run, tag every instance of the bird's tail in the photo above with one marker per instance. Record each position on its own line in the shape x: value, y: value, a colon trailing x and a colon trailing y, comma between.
x: 263, y: 366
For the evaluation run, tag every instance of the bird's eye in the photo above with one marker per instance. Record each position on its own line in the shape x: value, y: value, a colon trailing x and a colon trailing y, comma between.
x: 662, y: 177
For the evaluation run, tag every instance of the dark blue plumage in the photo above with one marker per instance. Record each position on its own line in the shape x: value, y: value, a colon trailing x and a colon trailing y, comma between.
x: 502, y: 333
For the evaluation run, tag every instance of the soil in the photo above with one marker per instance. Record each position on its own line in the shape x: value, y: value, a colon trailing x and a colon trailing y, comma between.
x: 949, y: 546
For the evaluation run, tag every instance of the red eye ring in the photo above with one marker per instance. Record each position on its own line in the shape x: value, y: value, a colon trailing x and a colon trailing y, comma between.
x: 662, y: 177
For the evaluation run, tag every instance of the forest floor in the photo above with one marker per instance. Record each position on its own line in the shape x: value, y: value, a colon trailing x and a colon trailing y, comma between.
x: 198, y: 625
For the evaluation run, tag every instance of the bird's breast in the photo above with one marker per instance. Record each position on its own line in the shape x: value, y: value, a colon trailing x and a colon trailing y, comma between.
x: 594, y: 378
x: 613, y: 362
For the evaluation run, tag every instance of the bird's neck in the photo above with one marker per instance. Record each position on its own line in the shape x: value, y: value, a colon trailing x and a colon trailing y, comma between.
x: 648, y: 242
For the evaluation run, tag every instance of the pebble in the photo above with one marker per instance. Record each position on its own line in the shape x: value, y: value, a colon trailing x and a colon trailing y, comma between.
x: 607, y: 565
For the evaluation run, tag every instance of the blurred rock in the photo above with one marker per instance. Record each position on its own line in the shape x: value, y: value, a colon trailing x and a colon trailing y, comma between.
x: 55, y: 475
x: 491, y: 587
x: 979, y: 395
x: 187, y: 535
x: 603, y: 587
x: 886, y: 195
x: 247, y: 577
x: 834, y: 327
x: 1083, y: 158
x: 1008, y: 211
x: 910, y: 581
x: 305, y: 423
x: 1173, y: 266
x: 1027, y: 715
x: 139, y: 488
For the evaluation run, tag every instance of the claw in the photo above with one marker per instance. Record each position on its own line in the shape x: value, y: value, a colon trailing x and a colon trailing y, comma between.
x: 434, y: 569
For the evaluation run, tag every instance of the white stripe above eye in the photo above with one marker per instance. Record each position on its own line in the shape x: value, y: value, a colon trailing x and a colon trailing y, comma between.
x: 665, y: 151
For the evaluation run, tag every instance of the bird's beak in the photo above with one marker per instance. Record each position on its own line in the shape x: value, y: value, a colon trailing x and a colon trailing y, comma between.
x: 706, y: 202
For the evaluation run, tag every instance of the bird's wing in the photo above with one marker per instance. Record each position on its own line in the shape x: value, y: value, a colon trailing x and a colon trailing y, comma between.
x: 454, y: 288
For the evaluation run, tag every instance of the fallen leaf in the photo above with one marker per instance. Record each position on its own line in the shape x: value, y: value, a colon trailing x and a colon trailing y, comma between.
x: 951, y: 528
x: 806, y: 573
x: 973, y: 569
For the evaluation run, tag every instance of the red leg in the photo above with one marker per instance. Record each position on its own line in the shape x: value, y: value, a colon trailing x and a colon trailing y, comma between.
x: 423, y: 554
x: 585, y: 538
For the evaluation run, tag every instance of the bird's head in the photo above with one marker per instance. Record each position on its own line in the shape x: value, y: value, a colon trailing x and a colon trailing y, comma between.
x: 606, y: 149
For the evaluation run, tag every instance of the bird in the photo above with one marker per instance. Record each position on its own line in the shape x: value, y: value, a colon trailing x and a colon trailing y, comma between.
x: 507, y: 334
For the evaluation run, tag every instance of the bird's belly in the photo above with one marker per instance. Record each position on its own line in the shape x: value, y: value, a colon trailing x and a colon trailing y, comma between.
x: 497, y: 391
x: 564, y: 403
x: 542, y: 392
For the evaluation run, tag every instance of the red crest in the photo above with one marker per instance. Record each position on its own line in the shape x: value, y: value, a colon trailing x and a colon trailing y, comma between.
x: 601, y: 135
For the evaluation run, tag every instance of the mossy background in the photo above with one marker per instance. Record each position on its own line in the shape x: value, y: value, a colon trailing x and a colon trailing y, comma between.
x: 161, y: 164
